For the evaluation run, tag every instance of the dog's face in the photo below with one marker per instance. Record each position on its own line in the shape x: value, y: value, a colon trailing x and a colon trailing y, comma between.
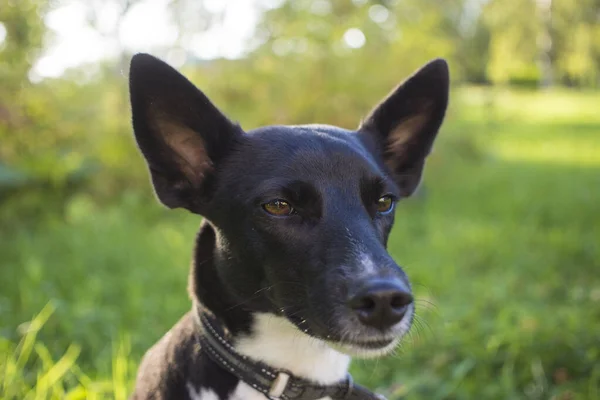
x: 302, y: 213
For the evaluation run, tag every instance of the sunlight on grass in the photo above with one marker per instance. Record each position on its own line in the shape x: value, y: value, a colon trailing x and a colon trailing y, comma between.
x: 555, y: 106
x: 558, y: 127
x: 561, y: 151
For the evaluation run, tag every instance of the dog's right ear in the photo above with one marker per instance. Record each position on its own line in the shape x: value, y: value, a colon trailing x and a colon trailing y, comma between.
x: 179, y: 131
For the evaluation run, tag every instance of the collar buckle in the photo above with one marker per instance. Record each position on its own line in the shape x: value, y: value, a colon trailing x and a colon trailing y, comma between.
x: 279, y: 385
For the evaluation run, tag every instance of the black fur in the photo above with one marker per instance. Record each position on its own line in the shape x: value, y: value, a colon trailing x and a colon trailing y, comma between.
x: 304, y: 266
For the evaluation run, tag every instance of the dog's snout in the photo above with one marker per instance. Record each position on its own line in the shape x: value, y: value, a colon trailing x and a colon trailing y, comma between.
x: 381, y: 303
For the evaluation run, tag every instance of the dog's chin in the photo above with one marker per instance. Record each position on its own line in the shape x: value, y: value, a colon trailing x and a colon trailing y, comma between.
x: 366, y: 349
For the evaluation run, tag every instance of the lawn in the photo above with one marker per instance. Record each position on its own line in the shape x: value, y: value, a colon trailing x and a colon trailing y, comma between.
x: 502, y: 245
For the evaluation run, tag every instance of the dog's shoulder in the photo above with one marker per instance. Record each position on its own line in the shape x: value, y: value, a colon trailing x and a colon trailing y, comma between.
x: 175, y: 368
x: 165, y: 365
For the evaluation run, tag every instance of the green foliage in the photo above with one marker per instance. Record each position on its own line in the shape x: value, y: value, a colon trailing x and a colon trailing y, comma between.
x: 63, y: 135
x: 24, y: 35
x: 576, y: 44
x: 515, y: 30
x: 501, y: 246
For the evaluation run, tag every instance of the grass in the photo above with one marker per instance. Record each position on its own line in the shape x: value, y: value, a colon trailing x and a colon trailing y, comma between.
x: 502, y: 245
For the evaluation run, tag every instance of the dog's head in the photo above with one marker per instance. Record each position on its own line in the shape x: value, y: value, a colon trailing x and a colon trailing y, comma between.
x: 302, y: 214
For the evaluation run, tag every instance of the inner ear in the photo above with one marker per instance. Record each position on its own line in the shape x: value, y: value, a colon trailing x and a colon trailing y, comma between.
x: 401, y: 135
x: 189, y: 150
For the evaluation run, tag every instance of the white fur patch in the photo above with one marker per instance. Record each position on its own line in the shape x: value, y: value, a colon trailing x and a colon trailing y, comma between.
x: 280, y: 344
x: 244, y: 392
x: 366, y: 262
x: 202, y: 394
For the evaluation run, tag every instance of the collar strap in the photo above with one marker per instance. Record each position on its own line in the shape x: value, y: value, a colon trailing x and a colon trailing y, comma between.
x: 274, y: 384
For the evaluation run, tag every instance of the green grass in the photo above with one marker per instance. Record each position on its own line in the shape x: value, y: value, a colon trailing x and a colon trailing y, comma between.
x: 502, y: 245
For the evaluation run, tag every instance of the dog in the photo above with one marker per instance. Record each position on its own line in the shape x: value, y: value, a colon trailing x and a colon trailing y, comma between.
x: 290, y: 275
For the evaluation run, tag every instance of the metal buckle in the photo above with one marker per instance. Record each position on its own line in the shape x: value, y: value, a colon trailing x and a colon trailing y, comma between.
x: 279, y: 385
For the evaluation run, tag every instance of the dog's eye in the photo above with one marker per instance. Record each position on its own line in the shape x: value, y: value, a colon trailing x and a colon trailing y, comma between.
x: 385, y: 204
x: 279, y: 208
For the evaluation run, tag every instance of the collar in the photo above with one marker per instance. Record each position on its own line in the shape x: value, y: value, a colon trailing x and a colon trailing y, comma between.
x: 273, y: 383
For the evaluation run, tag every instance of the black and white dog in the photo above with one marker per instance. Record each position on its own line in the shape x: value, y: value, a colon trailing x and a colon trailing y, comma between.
x: 290, y: 272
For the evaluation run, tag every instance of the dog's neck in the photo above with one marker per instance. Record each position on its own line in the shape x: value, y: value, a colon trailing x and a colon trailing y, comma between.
x: 279, y: 344
x: 261, y: 336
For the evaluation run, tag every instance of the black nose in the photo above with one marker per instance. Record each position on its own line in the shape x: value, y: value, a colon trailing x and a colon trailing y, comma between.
x: 381, y: 303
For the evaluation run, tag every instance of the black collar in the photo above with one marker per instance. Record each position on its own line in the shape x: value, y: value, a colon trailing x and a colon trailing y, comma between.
x: 273, y: 383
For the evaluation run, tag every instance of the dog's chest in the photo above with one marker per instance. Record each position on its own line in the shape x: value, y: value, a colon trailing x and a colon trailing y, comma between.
x: 242, y: 392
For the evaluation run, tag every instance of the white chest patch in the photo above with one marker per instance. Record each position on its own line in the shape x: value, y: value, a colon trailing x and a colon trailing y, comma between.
x: 245, y: 392
x: 202, y: 394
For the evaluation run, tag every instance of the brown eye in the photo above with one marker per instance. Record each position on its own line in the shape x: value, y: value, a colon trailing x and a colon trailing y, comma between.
x: 278, y: 208
x: 385, y: 204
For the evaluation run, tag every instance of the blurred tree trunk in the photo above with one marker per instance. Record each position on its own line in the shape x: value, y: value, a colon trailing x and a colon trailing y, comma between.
x: 544, y: 42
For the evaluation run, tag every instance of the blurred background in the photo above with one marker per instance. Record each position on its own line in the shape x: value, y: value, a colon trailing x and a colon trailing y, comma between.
x: 502, y: 242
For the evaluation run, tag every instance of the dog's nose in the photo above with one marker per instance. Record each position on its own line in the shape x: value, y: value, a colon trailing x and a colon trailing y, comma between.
x: 381, y: 303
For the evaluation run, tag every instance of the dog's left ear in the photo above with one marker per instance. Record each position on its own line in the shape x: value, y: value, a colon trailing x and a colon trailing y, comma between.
x: 404, y: 125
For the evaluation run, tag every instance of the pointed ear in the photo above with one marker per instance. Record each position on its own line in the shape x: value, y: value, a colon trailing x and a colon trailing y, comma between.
x: 182, y: 135
x: 404, y: 125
